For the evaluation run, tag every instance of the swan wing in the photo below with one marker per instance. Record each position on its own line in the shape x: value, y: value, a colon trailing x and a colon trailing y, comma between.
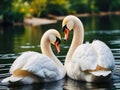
x: 37, y: 64
x: 85, y: 56
x: 42, y: 66
x: 20, y: 61
x: 104, y: 55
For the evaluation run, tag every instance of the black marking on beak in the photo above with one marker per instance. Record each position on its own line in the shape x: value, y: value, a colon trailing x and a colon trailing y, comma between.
x: 58, y: 40
x: 64, y: 27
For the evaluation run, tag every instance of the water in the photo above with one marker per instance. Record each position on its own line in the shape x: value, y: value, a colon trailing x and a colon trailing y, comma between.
x: 17, y: 39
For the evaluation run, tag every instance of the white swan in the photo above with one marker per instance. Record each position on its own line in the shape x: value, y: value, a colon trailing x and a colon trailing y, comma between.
x: 91, y: 62
x: 32, y: 67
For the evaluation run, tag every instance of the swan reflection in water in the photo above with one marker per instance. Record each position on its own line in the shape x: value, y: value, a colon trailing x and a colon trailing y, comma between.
x: 78, y: 85
x: 64, y: 84
x: 56, y: 85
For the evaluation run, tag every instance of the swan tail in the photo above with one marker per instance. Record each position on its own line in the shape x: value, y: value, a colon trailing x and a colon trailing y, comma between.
x: 101, y: 73
x: 11, y: 79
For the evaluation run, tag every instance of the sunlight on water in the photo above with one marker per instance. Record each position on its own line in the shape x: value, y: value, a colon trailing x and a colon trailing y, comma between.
x: 115, y: 42
x: 8, y: 56
x: 27, y: 46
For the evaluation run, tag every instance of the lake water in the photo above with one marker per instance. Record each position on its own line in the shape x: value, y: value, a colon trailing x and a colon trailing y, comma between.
x: 17, y: 39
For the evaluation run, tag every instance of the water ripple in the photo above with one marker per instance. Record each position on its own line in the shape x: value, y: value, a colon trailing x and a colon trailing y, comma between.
x: 103, y: 32
x: 9, y: 56
x: 27, y: 46
x: 115, y: 42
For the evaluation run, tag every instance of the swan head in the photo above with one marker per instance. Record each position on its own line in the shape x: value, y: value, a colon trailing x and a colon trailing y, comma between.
x: 54, y: 38
x: 68, y: 25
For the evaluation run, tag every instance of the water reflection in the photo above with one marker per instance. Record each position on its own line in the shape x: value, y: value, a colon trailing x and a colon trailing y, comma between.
x: 57, y: 85
x: 67, y: 84
x: 77, y: 85
x: 17, y: 39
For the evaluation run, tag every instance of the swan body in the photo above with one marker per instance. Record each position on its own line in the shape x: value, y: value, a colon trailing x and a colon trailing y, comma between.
x: 32, y: 67
x: 91, y: 62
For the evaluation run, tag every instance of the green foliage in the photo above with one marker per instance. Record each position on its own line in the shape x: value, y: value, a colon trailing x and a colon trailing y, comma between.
x: 56, y: 7
x: 9, y: 15
x: 83, y: 6
x: 115, y: 6
x: 5, y: 6
x: 13, y: 17
x: 103, y: 5
x: 38, y: 6
x: 79, y: 6
x: 16, y: 10
x: 20, y: 6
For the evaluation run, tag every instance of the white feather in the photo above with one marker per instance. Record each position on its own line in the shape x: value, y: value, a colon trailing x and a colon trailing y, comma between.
x: 39, y: 67
x: 85, y: 56
x: 104, y: 55
x: 89, y: 61
x: 13, y: 79
x: 101, y: 73
x: 37, y: 64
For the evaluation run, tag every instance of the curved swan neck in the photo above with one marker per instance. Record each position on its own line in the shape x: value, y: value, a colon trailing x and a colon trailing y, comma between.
x: 78, y: 38
x: 47, y: 50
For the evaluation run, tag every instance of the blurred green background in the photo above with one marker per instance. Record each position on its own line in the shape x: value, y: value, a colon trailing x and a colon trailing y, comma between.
x: 16, y: 10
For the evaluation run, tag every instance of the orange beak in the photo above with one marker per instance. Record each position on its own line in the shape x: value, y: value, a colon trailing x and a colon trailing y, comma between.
x: 57, y: 47
x: 66, y: 33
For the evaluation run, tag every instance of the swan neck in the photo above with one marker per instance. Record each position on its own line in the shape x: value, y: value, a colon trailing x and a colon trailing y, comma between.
x: 47, y: 50
x: 78, y: 37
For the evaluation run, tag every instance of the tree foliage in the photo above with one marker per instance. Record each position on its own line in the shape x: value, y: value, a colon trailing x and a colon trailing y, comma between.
x: 56, y: 7
x: 103, y: 5
x: 37, y: 6
x: 21, y: 6
x: 115, y: 5
x: 79, y: 6
x: 15, y: 10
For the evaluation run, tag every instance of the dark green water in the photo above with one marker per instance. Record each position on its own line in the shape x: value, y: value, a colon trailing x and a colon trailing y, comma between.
x: 17, y: 39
